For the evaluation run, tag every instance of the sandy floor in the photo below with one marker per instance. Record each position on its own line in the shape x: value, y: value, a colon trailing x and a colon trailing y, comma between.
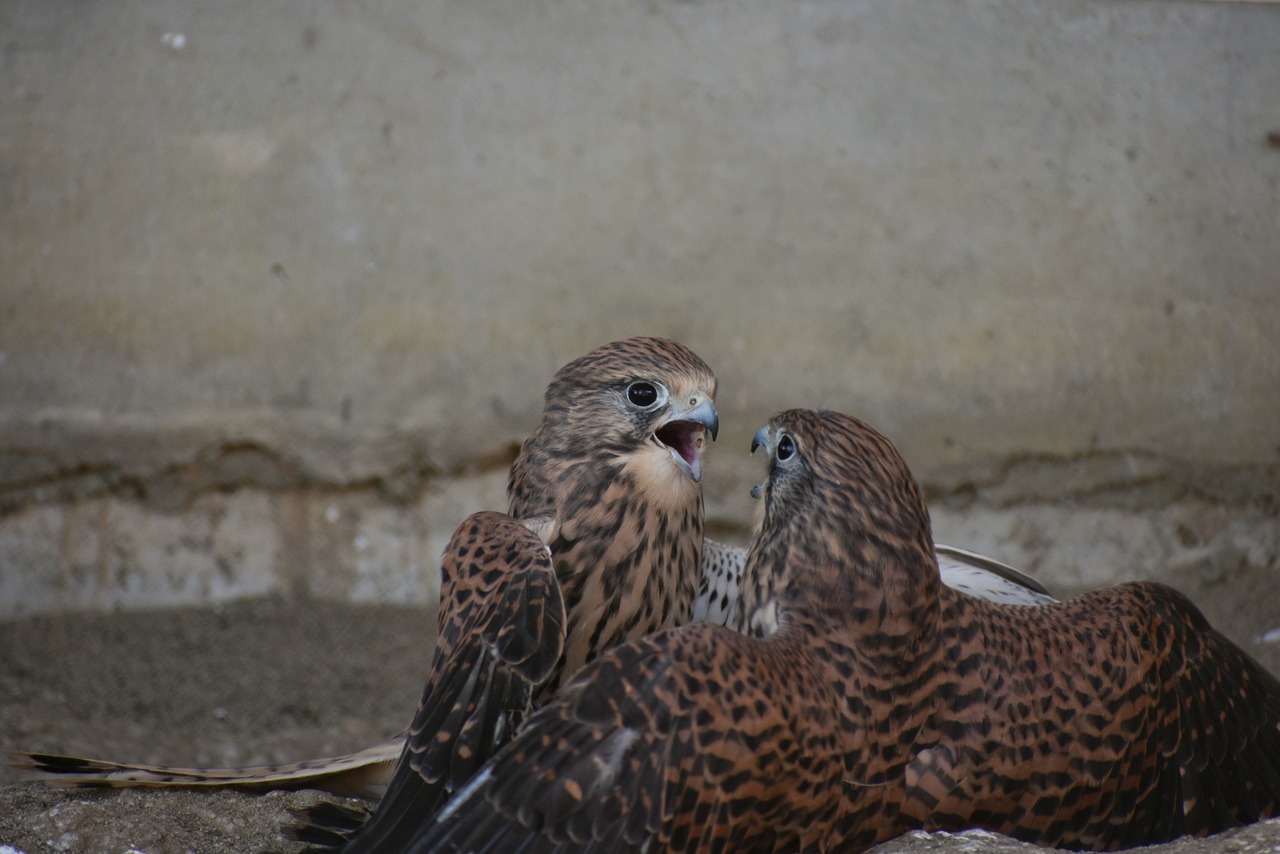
x: 250, y: 683
x: 253, y: 682
x: 269, y: 681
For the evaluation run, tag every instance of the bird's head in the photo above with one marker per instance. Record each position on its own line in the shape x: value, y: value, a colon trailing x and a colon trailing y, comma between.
x: 837, y: 493
x: 645, y: 403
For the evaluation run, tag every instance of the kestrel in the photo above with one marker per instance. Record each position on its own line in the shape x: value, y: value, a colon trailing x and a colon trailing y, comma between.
x: 611, y: 480
x: 862, y: 698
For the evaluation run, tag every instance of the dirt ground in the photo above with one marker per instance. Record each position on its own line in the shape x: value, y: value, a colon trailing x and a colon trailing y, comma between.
x: 271, y: 680
x: 249, y: 683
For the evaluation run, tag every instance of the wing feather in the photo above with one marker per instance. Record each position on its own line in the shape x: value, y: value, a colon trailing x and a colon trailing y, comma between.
x: 501, y: 633
x: 1162, y: 726
x: 1221, y: 715
x: 638, y: 752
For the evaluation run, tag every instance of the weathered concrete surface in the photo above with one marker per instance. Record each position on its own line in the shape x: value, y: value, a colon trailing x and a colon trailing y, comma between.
x: 342, y: 248
x: 106, y: 552
x: 111, y: 553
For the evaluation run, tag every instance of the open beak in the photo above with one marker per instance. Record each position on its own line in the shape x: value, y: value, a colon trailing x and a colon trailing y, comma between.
x: 684, y: 435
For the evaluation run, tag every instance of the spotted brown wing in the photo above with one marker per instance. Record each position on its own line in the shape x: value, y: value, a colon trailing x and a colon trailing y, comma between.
x: 1219, y: 721
x: 501, y: 633
x: 1115, y: 719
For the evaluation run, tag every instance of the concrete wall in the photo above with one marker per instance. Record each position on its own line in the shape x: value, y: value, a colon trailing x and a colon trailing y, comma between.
x: 281, y: 284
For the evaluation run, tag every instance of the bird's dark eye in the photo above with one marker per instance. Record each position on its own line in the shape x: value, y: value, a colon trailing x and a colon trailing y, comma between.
x: 642, y: 394
x: 786, y: 449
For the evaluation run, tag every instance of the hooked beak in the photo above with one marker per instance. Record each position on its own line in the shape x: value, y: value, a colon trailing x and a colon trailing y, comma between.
x: 683, y: 435
x: 762, y: 439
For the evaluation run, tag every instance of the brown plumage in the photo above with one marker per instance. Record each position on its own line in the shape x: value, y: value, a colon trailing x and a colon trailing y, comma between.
x: 867, y: 699
x: 614, y: 473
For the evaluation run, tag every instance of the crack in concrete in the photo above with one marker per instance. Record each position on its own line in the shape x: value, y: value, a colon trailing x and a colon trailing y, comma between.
x: 1127, y: 478
x: 226, y: 467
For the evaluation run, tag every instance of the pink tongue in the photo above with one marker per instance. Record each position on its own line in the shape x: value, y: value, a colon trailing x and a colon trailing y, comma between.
x: 678, y: 435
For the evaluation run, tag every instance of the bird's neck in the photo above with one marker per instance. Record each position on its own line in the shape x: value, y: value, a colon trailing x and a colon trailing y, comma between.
x: 868, y: 587
x: 627, y: 565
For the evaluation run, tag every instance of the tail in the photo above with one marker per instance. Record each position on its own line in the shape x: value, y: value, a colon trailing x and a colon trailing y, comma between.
x: 363, y: 774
